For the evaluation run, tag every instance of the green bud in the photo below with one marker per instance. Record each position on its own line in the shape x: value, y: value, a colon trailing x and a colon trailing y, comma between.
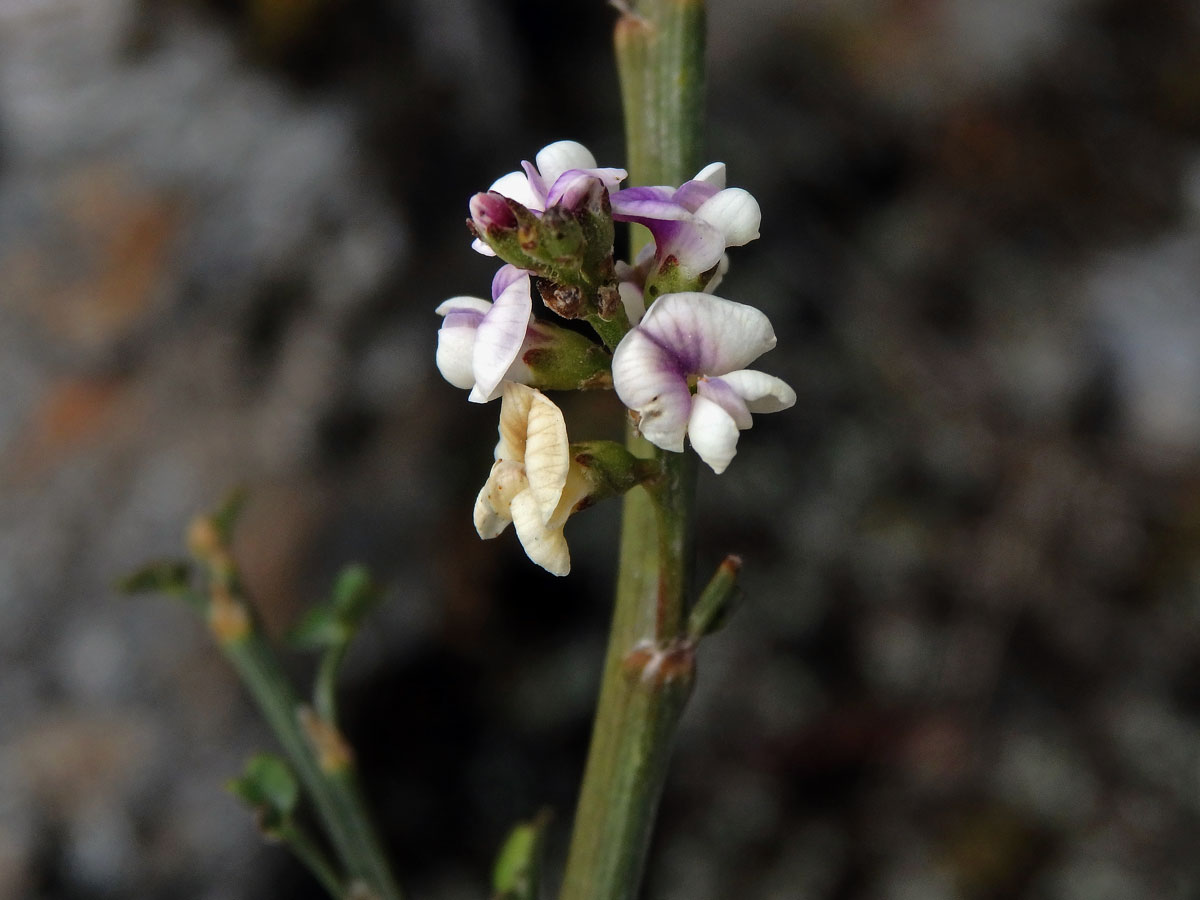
x: 610, y: 470
x: 269, y: 788
x: 565, y: 360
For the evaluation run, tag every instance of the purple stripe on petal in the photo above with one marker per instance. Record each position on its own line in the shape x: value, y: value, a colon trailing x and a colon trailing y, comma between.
x: 571, y: 189
x: 499, y: 337
x: 537, y: 185
x: 694, y: 193
x: 506, y: 276
x: 722, y: 394
x: 647, y: 378
x: 695, y: 245
x: 623, y: 200
x: 707, y: 334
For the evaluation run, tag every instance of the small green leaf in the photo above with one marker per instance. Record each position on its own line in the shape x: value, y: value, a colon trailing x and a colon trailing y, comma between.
x: 163, y: 576
x: 334, y: 622
x: 717, y: 600
x: 225, y: 516
x: 516, y: 873
x: 269, y: 788
x: 320, y: 627
x: 355, y: 594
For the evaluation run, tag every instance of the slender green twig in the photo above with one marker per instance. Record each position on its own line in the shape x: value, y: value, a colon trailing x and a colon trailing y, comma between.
x: 321, y: 759
x: 319, y: 754
x: 649, y: 665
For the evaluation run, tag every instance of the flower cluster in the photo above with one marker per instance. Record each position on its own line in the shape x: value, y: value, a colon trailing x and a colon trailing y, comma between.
x: 674, y: 353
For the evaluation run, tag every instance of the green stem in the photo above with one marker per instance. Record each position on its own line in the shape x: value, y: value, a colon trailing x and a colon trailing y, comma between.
x: 325, y: 683
x: 334, y: 791
x: 650, y: 662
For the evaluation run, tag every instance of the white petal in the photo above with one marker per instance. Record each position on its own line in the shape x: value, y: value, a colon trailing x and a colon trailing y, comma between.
x: 734, y: 213
x: 499, y: 338
x: 696, y: 245
x: 644, y: 205
x: 634, y: 299
x: 574, y: 492
x: 554, y: 159
x: 463, y: 304
x: 709, y: 335
x: 481, y: 247
x: 455, y: 352
x: 547, y: 453
x: 647, y: 379
x: 718, y: 274
x: 545, y: 546
x: 514, y: 421
x: 763, y: 393
x: 692, y: 194
x: 717, y: 391
x: 506, y: 276
x: 493, y: 505
x: 714, y: 174
x: 516, y: 186
x: 713, y: 433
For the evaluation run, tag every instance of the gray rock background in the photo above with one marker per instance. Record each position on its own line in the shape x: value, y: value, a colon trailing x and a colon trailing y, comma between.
x: 968, y: 663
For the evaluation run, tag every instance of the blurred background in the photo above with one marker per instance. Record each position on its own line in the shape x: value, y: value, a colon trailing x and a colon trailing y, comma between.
x: 968, y: 663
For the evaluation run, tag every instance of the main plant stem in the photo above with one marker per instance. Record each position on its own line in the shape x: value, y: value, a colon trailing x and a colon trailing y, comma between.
x: 650, y: 662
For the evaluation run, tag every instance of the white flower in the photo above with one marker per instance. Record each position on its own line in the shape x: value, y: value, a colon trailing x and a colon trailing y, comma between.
x: 695, y: 223
x: 697, y: 339
x: 563, y: 174
x: 479, y: 343
x: 534, y: 484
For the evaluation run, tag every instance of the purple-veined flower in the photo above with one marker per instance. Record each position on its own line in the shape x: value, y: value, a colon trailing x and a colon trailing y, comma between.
x: 479, y: 343
x: 534, y: 483
x: 563, y: 173
x: 694, y: 223
x: 696, y: 340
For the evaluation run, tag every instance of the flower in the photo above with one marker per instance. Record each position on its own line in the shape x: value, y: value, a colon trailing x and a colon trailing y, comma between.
x: 697, y: 339
x: 564, y: 174
x: 534, y: 483
x: 479, y: 343
x: 694, y: 224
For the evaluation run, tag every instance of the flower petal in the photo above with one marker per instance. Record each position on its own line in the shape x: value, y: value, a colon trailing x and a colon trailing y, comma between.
x: 692, y: 194
x: 493, y: 505
x: 506, y: 276
x: 545, y: 546
x: 514, y: 422
x: 713, y: 174
x: 707, y: 334
x: 763, y: 393
x: 455, y: 350
x: 646, y: 204
x: 499, y: 337
x: 735, y: 213
x: 713, y: 433
x: 516, y: 186
x: 456, y: 338
x: 648, y: 379
x: 554, y: 159
x: 722, y: 394
x: 467, y: 305
x: 696, y: 245
x: 634, y: 300
x: 547, y: 453
x: 571, y: 189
